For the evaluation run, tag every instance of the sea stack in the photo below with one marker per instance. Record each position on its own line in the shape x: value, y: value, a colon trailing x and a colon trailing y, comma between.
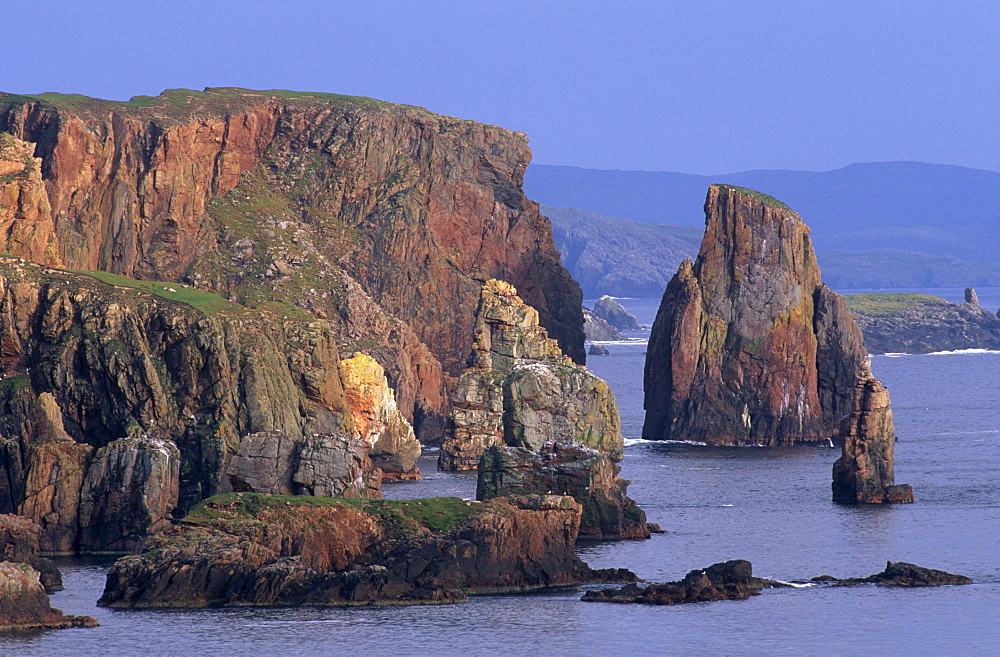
x: 749, y: 347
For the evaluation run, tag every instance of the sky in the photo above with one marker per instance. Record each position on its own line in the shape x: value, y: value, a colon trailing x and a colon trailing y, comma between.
x: 706, y: 87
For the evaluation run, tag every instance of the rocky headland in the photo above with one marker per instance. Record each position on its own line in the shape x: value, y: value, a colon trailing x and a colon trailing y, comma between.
x: 383, y: 218
x: 913, y: 323
x: 244, y: 549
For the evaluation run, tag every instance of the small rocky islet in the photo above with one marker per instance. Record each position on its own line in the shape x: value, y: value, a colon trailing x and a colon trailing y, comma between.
x: 307, y: 289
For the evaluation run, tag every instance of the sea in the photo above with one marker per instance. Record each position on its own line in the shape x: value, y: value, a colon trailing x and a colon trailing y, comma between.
x: 771, y: 506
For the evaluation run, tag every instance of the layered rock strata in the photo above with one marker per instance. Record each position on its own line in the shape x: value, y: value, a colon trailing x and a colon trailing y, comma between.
x: 586, y: 474
x: 519, y: 389
x: 749, y: 347
x: 256, y: 550
x: 864, y: 472
x: 385, y: 218
x: 24, y: 605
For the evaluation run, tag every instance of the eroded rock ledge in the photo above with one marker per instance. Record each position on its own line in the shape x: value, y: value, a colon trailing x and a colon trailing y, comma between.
x: 244, y: 549
x: 24, y: 605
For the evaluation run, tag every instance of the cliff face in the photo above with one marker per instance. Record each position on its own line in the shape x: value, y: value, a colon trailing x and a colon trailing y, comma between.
x: 376, y: 215
x: 124, y: 401
x: 748, y: 346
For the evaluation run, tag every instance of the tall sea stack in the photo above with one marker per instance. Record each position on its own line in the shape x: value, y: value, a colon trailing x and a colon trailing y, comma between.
x: 749, y: 347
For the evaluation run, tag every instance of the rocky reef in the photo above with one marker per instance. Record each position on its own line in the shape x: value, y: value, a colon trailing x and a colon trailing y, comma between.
x: 918, y: 323
x: 244, y: 549
x: 729, y: 580
x: 749, y: 347
x: 864, y: 471
x: 384, y: 218
x: 24, y: 605
x: 598, y: 329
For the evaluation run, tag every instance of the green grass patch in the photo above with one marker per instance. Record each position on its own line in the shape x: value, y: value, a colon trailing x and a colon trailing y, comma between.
x: 884, y: 304
x: 769, y: 201
x: 205, y: 302
x: 439, y: 514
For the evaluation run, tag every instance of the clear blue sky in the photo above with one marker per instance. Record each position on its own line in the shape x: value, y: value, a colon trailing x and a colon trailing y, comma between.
x: 703, y: 87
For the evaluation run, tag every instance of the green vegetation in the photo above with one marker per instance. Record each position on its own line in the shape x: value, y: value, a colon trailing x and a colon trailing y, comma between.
x: 205, y: 302
x: 769, y: 201
x: 439, y: 514
x: 883, y: 304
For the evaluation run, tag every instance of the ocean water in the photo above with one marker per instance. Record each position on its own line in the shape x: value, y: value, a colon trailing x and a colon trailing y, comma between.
x: 770, y: 506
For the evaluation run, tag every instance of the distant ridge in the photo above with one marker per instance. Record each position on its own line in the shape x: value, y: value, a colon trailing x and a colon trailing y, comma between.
x: 930, y: 208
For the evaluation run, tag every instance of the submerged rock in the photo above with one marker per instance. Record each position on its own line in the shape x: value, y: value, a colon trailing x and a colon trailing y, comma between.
x: 243, y: 550
x: 24, y: 604
x: 748, y: 346
x: 864, y: 472
x: 900, y: 573
x: 587, y: 474
x: 730, y: 580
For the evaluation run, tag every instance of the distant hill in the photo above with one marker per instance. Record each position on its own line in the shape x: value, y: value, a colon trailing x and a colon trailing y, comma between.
x: 910, y: 206
x: 625, y: 258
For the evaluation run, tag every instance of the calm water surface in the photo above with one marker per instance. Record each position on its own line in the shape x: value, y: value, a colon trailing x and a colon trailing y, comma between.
x: 771, y: 506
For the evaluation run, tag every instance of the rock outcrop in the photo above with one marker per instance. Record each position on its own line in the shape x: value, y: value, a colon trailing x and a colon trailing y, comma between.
x: 379, y: 216
x: 24, y: 605
x: 586, y: 474
x: 918, y: 323
x: 608, y: 309
x: 749, y: 347
x: 864, y: 472
x: 131, y: 489
x: 255, y: 550
x: 598, y: 329
x: 900, y: 573
x: 729, y: 580
x: 377, y: 420
x: 19, y: 542
x: 520, y: 390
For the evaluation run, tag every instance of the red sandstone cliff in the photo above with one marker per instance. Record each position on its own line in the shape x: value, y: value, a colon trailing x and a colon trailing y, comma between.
x: 385, y: 218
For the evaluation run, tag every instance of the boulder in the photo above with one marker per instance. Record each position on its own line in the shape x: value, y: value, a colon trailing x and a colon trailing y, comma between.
x: 748, y: 347
x: 730, y: 580
x: 24, y: 604
x: 608, y: 309
x: 131, y: 490
x: 566, y: 468
x: 971, y: 297
x: 240, y: 550
x: 598, y: 350
x: 377, y: 420
x: 864, y: 472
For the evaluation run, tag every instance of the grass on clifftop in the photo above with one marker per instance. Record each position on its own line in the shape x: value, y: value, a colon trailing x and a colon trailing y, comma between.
x: 884, y: 304
x: 205, y: 302
x: 439, y: 514
x: 769, y: 201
